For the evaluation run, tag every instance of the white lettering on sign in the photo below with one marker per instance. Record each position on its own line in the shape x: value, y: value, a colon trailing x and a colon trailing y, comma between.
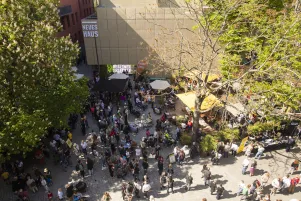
x: 90, y: 30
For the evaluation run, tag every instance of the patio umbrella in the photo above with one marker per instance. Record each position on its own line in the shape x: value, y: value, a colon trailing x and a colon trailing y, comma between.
x: 74, y: 69
x: 118, y: 76
x: 78, y: 76
x: 160, y: 84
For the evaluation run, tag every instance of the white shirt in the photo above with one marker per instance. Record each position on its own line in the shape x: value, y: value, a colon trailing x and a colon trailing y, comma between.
x: 84, y: 145
x: 60, y: 194
x: 155, y: 134
x: 246, y: 162
x: 138, y: 152
x: 234, y: 147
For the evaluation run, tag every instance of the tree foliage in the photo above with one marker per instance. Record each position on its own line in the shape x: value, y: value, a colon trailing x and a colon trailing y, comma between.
x: 37, y: 87
x: 220, y: 37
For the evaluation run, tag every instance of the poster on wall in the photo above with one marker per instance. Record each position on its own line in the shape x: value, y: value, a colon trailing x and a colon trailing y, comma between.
x: 90, y: 29
x: 122, y: 68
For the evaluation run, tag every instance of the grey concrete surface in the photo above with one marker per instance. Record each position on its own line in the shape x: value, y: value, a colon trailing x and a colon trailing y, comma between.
x: 228, y: 173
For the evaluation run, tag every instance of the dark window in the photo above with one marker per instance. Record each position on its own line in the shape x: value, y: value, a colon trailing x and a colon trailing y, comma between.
x: 84, y: 12
x: 63, y: 22
x: 75, y: 37
x: 79, y: 36
x: 68, y: 20
x: 83, y: 1
x: 76, y: 17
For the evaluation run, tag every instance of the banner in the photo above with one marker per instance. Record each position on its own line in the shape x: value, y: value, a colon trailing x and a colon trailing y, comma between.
x: 242, y: 145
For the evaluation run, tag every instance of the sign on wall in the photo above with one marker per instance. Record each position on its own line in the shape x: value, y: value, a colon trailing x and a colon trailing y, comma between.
x: 121, y: 68
x: 90, y: 29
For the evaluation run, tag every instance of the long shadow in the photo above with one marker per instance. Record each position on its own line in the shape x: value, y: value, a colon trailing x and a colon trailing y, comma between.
x: 228, y: 195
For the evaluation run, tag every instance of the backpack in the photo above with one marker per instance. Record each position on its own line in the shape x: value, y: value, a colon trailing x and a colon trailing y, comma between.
x: 164, y: 180
x: 77, y: 167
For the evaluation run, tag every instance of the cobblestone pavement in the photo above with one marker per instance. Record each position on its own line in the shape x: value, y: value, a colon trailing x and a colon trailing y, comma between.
x: 228, y: 173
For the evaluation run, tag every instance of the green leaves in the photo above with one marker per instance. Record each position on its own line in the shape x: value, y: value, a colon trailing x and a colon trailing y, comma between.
x: 37, y: 89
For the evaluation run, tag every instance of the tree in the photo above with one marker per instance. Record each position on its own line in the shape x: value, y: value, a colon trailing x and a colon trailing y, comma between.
x: 38, y: 90
x: 214, y: 37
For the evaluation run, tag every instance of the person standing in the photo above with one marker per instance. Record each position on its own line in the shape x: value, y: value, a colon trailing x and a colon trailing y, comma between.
x: 170, y: 170
x: 245, y: 165
x: 234, y: 148
x: 226, y: 150
x: 84, y: 145
x: 253, y: 167
x: 145, y: 189
x: 219, y: 191
x: 90, y: 164
x: 294, y: 166
x: 80, y: 167
x: 160, y: 165
x: 60, y: 194
x: 294, y: 182
x: 106, y: 197
x: 145, y: 166
x: 137, y: 188
x: 111, y: 169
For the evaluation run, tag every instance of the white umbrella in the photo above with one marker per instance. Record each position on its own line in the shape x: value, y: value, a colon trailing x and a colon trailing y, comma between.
x: 78, y: 76
x: 118, y: 76
x: 74, y: 69
x: 160, y: 84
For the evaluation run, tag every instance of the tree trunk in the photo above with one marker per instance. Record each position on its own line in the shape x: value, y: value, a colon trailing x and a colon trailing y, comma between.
x: 196, y: 115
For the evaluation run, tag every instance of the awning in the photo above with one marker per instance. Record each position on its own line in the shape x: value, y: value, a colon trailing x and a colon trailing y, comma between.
x: 119, y: 76
x: 211, y: 77
x: 235, y: 109
x: 113, y: 85
x: 208, y: 104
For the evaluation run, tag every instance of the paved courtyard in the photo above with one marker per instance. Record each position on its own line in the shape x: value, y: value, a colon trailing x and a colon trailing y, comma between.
x: 228, y: 173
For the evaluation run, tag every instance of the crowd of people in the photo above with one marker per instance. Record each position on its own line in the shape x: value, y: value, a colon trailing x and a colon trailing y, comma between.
x: 118, y: 152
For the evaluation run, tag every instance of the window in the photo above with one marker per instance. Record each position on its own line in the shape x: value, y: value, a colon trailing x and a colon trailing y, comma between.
x: 75, y: 37
x: 63, y: 22
x: 76, y: 17
x: 68, y: 20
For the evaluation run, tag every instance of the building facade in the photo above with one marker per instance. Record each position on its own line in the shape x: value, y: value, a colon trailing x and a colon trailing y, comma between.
x: 125, y: 31
x: 71, y: 13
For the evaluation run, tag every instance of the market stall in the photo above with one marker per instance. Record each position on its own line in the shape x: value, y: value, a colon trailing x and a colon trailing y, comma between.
x: 208, y: 104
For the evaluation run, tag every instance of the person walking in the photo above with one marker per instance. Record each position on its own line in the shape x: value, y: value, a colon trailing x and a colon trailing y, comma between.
x: 234, y: 148
x: 212, y: 186
x: 163, y: 180
x: 90, y: 164
x: 189, y: 181
x: 44, y: 184
x: 207, y: 175
x: 219, y: 191
x: 170, y: 183
x: 170, y: 170
x: 160, y: 165
x: 111, y: 169
x: 137, y: 188
x: 136, y: 171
